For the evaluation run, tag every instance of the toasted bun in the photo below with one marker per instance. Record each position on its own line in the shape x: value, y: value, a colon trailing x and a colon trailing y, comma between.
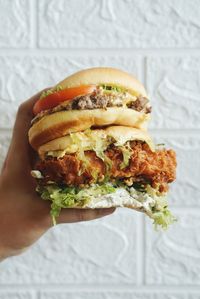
x: 62, y: 123
x: 120, y: 135
x: 104, y: 75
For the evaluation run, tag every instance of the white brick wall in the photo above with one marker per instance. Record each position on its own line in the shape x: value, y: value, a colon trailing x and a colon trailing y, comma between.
x: 120, y: 256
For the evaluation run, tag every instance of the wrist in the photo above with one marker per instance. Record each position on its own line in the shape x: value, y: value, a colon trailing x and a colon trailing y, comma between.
x: 5, y: 250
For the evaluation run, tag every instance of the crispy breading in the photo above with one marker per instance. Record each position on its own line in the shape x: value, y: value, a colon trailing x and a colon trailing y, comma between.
x: 155, y: 168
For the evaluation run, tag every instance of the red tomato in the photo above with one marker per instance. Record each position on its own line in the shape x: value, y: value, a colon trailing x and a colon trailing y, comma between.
x: 54, y: 99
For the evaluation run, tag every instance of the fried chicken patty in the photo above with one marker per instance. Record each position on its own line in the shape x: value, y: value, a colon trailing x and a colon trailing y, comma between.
x: 146, y: 167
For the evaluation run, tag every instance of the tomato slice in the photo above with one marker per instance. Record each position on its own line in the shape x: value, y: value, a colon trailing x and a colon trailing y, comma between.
x: 54, y: 99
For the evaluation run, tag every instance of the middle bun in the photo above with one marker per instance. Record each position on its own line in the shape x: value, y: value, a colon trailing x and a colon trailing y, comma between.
x: 62, y: 123
x: 118, y: 135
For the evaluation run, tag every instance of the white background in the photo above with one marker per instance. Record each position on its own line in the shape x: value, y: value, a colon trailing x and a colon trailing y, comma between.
x: 120, y: 256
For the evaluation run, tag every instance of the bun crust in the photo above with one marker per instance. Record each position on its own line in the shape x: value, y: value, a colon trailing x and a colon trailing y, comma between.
x: 105, y: 75
x: 62, y: 123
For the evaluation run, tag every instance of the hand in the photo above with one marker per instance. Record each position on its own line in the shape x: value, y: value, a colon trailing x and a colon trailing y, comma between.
x: 24, y: 216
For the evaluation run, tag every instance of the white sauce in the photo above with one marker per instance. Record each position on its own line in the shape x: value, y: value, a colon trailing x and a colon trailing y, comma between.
x: 120, y: 198
x: 36, y: 174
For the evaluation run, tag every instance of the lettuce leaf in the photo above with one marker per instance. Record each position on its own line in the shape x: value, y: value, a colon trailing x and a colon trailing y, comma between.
x: 148, y: 199
x: 163, y: 218
x: 160, y: 213
x: 78, y: 140
x: 98, y: 145
x: 92, y: 141
x: 126, y: 152
x: 50, y: 91
x: 68, y: 197
x: 114, y: 88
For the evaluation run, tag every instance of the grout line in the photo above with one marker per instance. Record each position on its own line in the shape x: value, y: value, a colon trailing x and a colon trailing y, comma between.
x: 144, y: 248
x: 139, y: 248
x: 34, y: 27
x: 185, y: 209
x: 100, y: 288
x: 140, y: 68
x: 93, y: 52
x: 37, y: 22
x: 38, y: 294
x: 144, y: 68
x: 183, y: 132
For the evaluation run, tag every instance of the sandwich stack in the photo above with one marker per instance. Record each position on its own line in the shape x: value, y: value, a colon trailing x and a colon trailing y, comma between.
x: 90, y: 133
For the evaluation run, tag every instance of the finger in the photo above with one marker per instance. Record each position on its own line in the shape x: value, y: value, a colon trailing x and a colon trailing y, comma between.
x: 77, y: 215
x: 20, y: 153
x: 5, y: 161
x: 33, y: 157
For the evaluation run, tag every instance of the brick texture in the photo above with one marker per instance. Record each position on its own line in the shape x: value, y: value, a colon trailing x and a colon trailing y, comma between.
x: 118, y: 24
x: 14, y: 23
x: 24, y: 76
x: 172, y: 258
x: 17, y: 295
x: 119, y: 256
x: 173, y: 85
x: 93, y: 252
x: 117, y: 295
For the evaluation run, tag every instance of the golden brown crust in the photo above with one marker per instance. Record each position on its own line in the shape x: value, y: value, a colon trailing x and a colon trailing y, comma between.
x: 156, y: 168
x: 62, y: 123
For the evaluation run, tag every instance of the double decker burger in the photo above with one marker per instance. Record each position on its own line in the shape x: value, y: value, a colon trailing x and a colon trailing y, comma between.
x: 94, y: 151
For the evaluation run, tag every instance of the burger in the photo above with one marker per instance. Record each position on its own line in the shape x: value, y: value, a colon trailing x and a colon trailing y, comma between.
x: 94, y: 150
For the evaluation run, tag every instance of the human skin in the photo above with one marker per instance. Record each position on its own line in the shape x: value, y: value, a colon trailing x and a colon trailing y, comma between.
x: 24, y: 217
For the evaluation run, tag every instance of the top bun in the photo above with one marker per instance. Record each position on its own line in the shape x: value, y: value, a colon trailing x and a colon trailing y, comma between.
x: 61, y: 123
x: 105, y: 75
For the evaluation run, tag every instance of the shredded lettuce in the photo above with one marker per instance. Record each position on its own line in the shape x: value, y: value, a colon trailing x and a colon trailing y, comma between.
x: 114, y: 88
x: 78, y: 140
x: 50, y: 91
x: 109, y: 164
x: 160, y: 213
x: 69, y: 197
x: 88, y: 140
x: 152, y: 204
x: 98, y: 145
x: 126, y: 152
x: 155, y: 205
x: 163, y: 218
